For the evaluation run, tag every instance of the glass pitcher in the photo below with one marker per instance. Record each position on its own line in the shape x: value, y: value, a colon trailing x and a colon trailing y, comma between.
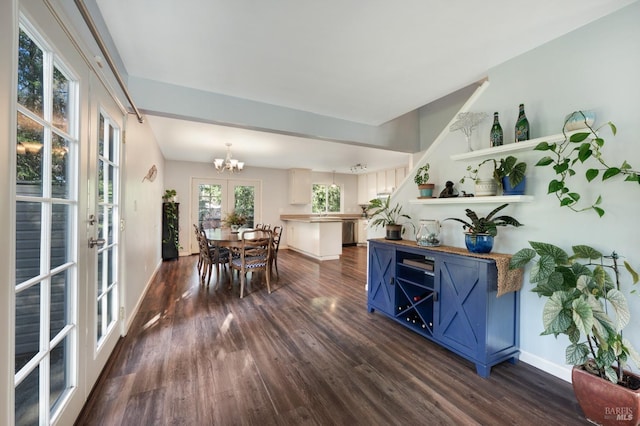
x: 429, y: 233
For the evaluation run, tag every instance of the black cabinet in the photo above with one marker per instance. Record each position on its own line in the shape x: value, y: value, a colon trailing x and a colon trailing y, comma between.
x: 170, y: 243
x: 448, y: 298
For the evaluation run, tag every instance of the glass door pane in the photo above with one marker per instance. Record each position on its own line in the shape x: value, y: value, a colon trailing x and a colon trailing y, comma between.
x: 107, y: 236
x: 213, y: 198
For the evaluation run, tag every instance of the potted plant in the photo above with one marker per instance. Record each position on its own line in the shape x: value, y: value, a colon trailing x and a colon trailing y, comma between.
x: 483, y: 186
x: 235, y: 220
x: 584, y: 147
x: 585, y: 303
x: 421, y: 178
x: 480, y: 231
x: 508, y: 173
x: 171, y: 226
x: 392, y: 218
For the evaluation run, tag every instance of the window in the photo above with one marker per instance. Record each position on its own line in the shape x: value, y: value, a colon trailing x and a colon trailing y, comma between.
x: 326, y: 198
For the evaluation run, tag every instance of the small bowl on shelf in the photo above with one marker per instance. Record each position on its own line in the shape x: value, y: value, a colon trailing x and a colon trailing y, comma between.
x: 579, y: 120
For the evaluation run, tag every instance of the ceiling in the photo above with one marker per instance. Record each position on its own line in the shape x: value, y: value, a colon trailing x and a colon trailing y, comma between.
x: 365, y: 61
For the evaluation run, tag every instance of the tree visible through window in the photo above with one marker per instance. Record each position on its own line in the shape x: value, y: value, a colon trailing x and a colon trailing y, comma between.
x: 326, y: 198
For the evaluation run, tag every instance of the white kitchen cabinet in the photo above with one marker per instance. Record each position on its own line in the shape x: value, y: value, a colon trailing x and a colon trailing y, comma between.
x: 362, y: 231
x: 401, y: 172
x: 372, y: 188
x: 363, y: 193
x: 381, y: 182
x: 390, y: 180
x: 299, y: 186
x: 321, y: 240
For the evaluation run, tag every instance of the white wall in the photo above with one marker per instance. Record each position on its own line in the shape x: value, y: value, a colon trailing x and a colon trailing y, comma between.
x: 595, y: 67
x: 141, y: 212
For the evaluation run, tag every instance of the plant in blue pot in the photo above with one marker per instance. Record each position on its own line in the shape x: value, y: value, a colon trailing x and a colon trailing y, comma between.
x: 480, y: 231
x: 510, y: 173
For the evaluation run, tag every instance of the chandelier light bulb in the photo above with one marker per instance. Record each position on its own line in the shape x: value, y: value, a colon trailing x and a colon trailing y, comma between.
x: 228, y: 164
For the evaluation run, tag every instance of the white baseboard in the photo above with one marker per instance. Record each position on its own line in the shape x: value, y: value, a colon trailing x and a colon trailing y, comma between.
x: 131, y: 315
x: 561, y: 371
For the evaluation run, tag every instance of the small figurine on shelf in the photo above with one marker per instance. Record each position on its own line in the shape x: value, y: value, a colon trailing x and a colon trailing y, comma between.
x: 449, y: 190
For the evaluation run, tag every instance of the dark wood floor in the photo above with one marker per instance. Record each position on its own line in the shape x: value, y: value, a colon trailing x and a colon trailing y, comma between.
x: 308, y: 353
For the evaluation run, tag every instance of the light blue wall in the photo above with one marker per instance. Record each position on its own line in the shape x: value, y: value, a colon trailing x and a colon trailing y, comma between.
x: 596, y: 67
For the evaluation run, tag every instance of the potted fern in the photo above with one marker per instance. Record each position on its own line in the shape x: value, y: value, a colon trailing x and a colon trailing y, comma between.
x: 585, y: 303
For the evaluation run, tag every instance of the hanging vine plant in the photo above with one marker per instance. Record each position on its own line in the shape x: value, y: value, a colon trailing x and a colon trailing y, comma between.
x: 576, y: 149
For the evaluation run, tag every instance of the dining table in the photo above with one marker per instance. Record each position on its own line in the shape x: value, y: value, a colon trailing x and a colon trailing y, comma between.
x: 225, y: 237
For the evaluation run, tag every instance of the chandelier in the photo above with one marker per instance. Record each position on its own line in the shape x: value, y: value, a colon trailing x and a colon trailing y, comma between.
x: 357, y: 168
x: 228, y: 164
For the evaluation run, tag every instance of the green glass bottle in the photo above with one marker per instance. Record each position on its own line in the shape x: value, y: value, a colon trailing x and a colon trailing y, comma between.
x: 522, y: 126
x: 496, y: 135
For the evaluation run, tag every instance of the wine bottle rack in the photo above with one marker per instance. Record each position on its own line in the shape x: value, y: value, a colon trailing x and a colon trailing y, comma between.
x: 415, y: 293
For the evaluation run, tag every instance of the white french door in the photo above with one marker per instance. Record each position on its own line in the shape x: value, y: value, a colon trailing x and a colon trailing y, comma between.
x: 67, y: 192
x: 103, y: 231
x: 47, y: 270
x: 213, y: 199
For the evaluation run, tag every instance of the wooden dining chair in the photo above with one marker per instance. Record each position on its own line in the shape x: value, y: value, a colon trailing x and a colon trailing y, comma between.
x: 275, y: 244
x: 211, y: 256
x: 252, y: 254
x: 200, y: 261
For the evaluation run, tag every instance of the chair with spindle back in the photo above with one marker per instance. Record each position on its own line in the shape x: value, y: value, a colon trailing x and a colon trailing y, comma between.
x: 252, y: 254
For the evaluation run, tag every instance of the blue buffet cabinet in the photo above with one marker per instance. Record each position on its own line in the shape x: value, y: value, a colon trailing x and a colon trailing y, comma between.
x: 449, y: 298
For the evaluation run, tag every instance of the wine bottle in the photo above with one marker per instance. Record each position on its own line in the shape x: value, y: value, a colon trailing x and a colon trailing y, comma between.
x: 496, y: 135
x: 522, y: 126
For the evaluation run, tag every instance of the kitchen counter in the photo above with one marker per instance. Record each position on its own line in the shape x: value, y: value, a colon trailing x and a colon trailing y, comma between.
x: 319, y: 218
x: 319, y: 237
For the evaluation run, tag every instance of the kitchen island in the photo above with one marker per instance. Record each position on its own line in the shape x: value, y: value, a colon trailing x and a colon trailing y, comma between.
x: 319, y: 237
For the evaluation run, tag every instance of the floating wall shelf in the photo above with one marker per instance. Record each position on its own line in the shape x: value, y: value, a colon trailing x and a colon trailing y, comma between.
x: 497, y: 151
x: 475, y: 200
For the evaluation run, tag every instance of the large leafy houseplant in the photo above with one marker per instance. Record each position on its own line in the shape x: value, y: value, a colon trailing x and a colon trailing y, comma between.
x: 392, y: 218
x: 488, y: 224
x: 583, y: 302
x: 581, y: 148
x: 480, y: 231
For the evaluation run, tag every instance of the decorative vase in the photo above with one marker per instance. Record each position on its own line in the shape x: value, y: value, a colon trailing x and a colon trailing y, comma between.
x: 426, y: 190
x: 603, y: 402
x: 478, y: 243
x: 486, y: 187
x: 394, y: 232
x: 234, y: 228
x: 507, y: 189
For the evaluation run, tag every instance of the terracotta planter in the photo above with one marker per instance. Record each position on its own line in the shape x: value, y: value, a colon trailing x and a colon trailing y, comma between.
x: 603, y: 402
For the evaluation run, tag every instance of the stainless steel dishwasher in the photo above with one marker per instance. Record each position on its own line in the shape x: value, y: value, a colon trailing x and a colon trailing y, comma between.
x: 349, y: 232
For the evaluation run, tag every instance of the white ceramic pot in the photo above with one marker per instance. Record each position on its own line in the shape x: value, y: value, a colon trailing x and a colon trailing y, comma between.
x: 486, y: 187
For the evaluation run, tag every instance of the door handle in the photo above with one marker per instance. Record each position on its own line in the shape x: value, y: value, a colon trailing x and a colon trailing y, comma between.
x: 96, y: 242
